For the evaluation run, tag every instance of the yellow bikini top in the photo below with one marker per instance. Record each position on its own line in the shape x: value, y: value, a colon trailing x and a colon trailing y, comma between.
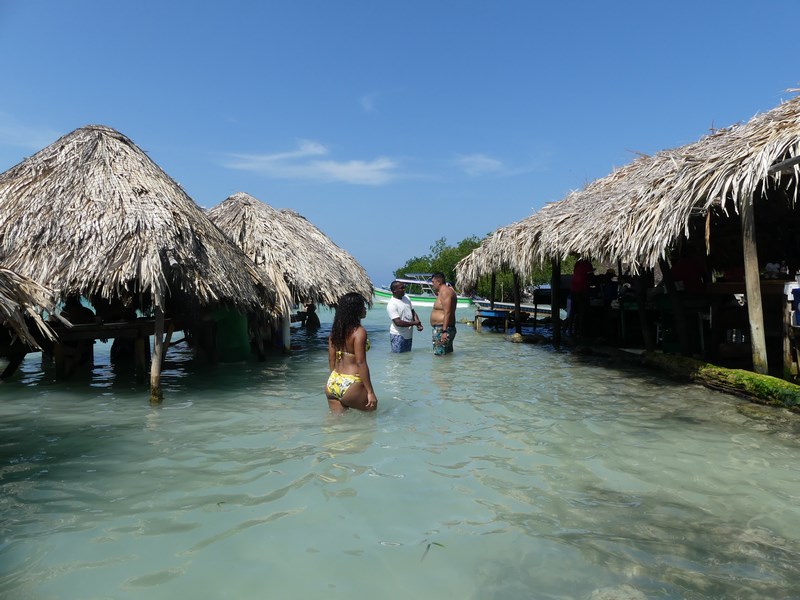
x: 340, y: 353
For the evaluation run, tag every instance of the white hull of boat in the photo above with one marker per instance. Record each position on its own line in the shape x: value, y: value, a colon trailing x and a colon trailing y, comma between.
x: 383, y: 295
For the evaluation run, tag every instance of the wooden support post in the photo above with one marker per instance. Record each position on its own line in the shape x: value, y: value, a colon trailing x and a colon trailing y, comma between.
x: 641, y: 301
x: 494, y: 284
x: 58, y: 357
x: 752, y: 281
x: 14, y: 361
x: 156, y: 395
x: 555, y: 301
x: 789, y: 364
x: 167, y: 341
x: 678, y: 316
x: 517, y: 313
x: 286, y: 333
x: 139, y: 354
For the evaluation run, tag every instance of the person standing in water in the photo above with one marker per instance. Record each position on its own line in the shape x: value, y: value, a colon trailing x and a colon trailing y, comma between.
x: 404, y: 318
x: 349, y: 384
x: 443, y: 315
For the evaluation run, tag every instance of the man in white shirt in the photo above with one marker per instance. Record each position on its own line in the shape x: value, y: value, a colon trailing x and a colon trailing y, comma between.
x: 404, y: 318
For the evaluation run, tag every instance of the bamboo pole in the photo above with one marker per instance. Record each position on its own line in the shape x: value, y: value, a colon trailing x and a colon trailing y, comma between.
x: 752, y: 281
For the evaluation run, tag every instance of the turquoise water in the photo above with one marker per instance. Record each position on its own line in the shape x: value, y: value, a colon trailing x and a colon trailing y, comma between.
x: 501, y: 471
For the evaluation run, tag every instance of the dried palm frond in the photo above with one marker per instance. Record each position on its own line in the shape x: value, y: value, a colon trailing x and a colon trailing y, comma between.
x: 637, y: 212
x: 22, y: 301
x: 93, y: 214
x: 291, y: 249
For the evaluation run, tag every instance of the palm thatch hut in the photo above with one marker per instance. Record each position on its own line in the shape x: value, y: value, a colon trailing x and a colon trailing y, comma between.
x: 93, y: 215
x: 22, y: 301
x: 309, y: 267
x: 339, y: 272
x: 507, y: 247
x: 733, y: 194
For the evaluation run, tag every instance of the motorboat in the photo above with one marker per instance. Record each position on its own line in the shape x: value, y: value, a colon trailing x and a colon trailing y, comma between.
x: 419, y: 290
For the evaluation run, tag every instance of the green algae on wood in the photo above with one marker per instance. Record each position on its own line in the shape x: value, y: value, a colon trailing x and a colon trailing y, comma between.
x: 763, y: 389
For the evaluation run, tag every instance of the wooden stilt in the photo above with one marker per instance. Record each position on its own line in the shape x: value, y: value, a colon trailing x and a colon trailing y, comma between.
x: 678, y: 316
x: 555, y: 301
x: 789, y: 364
x: 641, y: 301
x: 14, y: 361
x: 156, y: 395
x: 286, y: 331
x: 58, y: 357
x: 517, y: 313
x: 167, y: 341
x: 494, y: 285
x: 139, y: 353
x: 752, y: 281
x: 262, y: 353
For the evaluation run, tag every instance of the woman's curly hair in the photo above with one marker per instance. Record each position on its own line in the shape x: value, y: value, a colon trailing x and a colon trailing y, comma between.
x: 348, y: 315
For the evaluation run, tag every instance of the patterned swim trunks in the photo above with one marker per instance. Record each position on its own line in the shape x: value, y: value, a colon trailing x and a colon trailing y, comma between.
x: 400, y: 344
x: 440, y: 348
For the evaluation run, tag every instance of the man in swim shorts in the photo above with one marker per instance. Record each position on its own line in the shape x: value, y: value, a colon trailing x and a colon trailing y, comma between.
x: 443, y: 316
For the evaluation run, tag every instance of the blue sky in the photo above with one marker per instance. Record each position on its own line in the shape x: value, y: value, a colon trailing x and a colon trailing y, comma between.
x: 390, y: 125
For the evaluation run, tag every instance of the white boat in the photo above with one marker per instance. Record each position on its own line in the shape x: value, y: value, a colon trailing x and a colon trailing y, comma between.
x: 419, y: 290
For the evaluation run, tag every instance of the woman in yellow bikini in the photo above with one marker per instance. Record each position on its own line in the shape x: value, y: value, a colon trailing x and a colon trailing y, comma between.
x: 349, y: 385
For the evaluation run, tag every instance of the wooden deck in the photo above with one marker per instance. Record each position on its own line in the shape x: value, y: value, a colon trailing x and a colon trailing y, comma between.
x: 72, y: 345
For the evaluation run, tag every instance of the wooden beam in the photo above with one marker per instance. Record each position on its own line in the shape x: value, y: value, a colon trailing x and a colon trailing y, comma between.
x: 786, y: 166
x: 752, y: 281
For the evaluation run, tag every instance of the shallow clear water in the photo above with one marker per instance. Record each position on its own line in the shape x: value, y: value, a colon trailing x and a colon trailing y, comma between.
x: 502, y: 471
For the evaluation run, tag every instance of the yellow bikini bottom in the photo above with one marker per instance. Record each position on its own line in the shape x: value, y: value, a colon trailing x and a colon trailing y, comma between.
x: 339, y: 383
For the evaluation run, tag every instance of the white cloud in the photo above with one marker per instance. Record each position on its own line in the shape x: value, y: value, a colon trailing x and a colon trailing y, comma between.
x: 475, y: 165
x: 482, y: 165
x: 376, y: 172
x: 301, y: 163
x: 369, y: 101
x: 14, y: 133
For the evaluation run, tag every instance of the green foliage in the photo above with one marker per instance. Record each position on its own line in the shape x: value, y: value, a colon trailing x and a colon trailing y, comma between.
x: 441, y: 258
x: 444, y: 258
x: 504, y: 280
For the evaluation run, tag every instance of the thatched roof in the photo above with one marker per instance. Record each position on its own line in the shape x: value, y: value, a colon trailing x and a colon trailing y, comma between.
x: 637, y: 212
x: 286, y: 245
x: 93, y: 214
x: 502, y: 249
x: 22, y: 298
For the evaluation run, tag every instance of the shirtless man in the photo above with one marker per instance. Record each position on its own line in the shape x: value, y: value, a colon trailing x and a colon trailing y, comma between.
x: 443, y: 316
